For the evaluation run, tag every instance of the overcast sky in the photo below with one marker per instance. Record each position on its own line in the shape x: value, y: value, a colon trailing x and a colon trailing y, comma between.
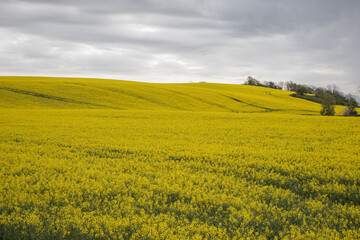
x: 313, y: 42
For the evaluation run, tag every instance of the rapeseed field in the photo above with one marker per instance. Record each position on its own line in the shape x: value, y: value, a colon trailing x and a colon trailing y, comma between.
x: 105, y: 159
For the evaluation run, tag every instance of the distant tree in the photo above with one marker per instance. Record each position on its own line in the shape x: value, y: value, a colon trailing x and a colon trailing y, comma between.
x: 281, y: 85
x: 319, y: 92
x: 272, y: 84
x: 333, y: 89
x: 350, y: 109
x: 290, y: 86
x: 310, y: 89
x: 328, y: 105
x: 252, y: 81
x: 301, y: 89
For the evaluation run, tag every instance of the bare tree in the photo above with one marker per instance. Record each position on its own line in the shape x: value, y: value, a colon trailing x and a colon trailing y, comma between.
x: 333, y: 89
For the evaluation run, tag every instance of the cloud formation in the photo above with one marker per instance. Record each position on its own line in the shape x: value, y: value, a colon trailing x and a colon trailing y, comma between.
x: 311, y: 42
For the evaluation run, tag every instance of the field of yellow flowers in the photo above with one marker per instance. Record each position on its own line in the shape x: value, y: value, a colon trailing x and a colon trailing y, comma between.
x: 173, y: 161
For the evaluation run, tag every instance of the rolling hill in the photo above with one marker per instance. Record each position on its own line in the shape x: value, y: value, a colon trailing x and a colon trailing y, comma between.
x: 79, y: 93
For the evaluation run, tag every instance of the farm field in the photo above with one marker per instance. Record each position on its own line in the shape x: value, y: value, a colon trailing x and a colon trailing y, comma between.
x: 104, y: 159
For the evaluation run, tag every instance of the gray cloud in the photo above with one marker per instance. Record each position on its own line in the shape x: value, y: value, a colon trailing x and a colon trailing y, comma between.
x: 311, y: 42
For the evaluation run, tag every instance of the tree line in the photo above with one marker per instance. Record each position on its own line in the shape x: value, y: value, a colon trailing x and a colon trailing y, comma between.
x: 327, y: 97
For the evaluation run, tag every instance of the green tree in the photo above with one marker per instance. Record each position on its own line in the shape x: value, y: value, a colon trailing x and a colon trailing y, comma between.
x: 328, y: 105
x: 350, y: 109
x: 301, y: 89
x: 252, y: 81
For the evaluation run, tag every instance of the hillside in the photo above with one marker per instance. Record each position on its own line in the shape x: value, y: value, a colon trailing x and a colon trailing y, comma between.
x: 78, y: 93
